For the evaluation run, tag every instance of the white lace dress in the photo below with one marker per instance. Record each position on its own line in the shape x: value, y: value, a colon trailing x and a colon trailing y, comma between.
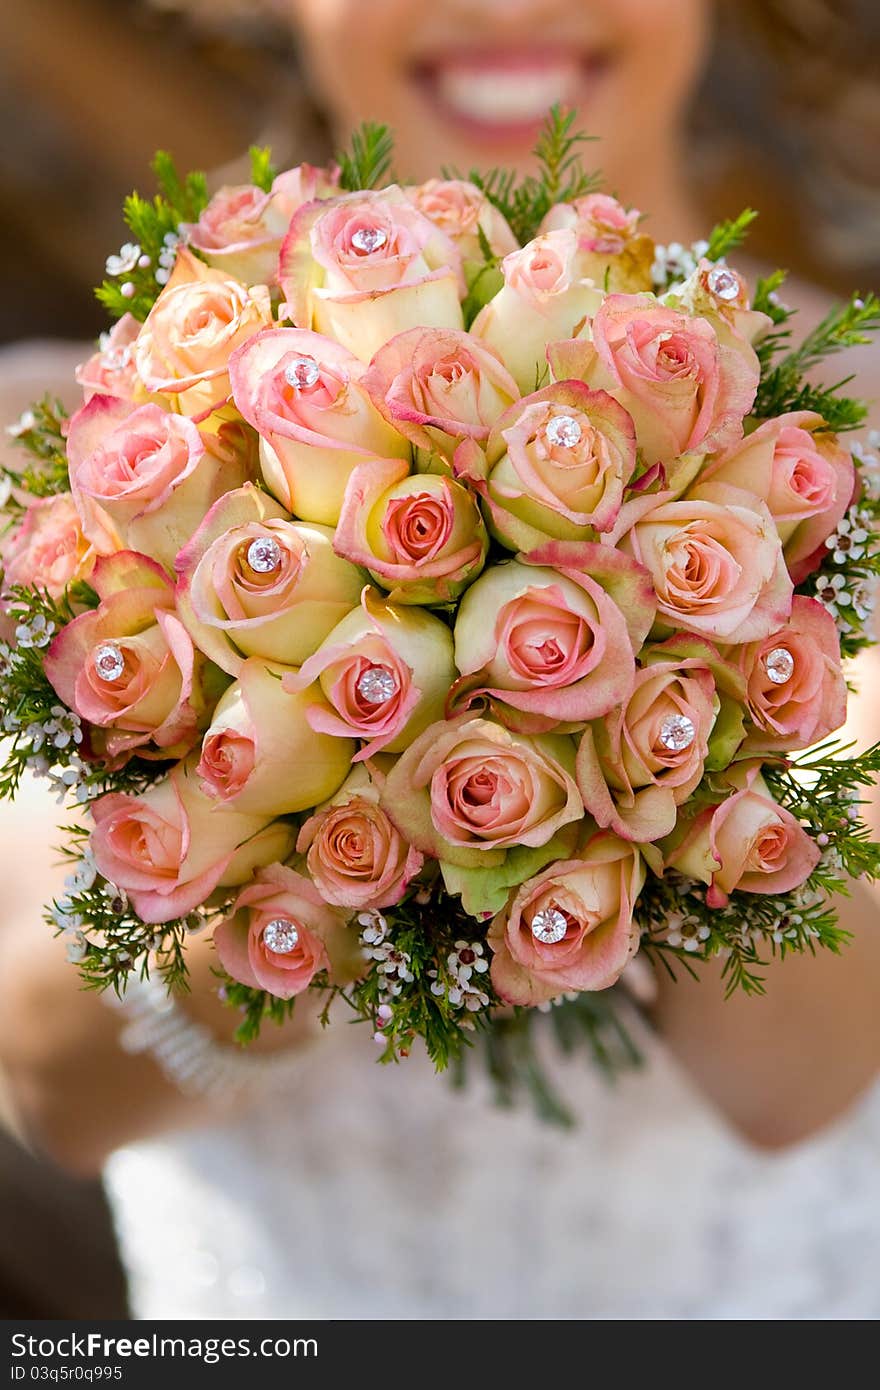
x: 359, y: 1191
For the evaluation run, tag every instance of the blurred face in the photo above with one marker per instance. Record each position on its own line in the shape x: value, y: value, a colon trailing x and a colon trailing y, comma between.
x: 468, y: 82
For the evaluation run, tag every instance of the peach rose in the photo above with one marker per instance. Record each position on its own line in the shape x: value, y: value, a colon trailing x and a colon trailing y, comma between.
x: 306, y: 397
x: 717, y: 292
x: 717, y: 565
x: 438, y: 387
x: 421, y: 537
x: 796, y: 690
x: 748, y: 844
x: 611, y: 252
x: 355, y: 855
x: 462, y: 211
x: 384, y: 672
x: 281, y: 935
x: 47, y: 549
x: 144, y: 479
x: 111, y: 371
x: 803, y: 474
x: 555, y: 466
x: 260, y: 756
x: 684, y: 389
x: 241, y: 230
x: 253, y: 583
x: 544, y: 298
x: 366, y: 266
x: 171, y: 847
x: 200, y: 318
x: 571, y: 927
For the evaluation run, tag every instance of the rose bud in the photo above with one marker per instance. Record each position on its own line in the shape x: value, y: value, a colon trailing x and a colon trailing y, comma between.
x: 438, y: 387
x: 111, y: 371
x: 571, y: 927
x: 544, y: 298
x: 260, y: 756
x: 253, y: 583
x: 171, y: 847
x: 684, y: 389
x: 421, y: 537
x: 241, y: 230
x: 803, y: 474
x: 550, y: 641
x: 47, y: 549
x: 555, y: 466
x: 796, y: 690
x: 192, y: 330
x: 281, y: 935
x: 365, y: 267
x: 719, y: 293
x: 717, y: 565
x: 385, y: 673
x: 748, y: 844
x: 611, y: 251
x: 128, y: 666
x: 355, y: 854
x: 305, y: 396
x: 143, y: 479
x: 462, y: 212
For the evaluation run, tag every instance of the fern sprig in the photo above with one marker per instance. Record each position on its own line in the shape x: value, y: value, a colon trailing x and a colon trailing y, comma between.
x: 367, y: 164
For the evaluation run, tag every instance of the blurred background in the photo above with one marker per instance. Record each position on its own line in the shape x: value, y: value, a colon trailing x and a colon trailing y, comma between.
x: 787, y: 119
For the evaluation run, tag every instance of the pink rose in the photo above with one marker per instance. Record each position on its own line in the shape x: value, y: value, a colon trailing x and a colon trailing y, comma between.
x: 716, y: 562
x: 281, y: 935
x: 366, y: 266
x: 593, y: 899
x: 253, y: 583
x: 111, y: 371
x: 260, y: 756
x: 555, y: 466
x: 544, y: 298
x: 803, y: 474
x: 306, y: 397
x: 796, y: 690
x: 171, y: 847
x: 438, y: 387
x: 384, y: 672
x: 143, y: 479
x: 420, y: 536
x: 355, y: 854
x: 241, y: 230
x: 47, y: 549
x: 128, y: 666
x: 684, y: 389
x: 541, y: 635
x: 748, y: 844
x: 611, y: 252
x: 462, y: 211
x: 192, y: 330
x: 468, y: 790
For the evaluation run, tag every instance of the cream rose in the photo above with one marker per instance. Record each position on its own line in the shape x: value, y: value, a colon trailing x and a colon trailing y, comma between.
x: 796, y: 691
x: 47, y: 549
x: 462, y: 211
x: 611, y: 251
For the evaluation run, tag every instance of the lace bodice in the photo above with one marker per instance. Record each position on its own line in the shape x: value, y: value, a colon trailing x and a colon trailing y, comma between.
x: 360, y: 1191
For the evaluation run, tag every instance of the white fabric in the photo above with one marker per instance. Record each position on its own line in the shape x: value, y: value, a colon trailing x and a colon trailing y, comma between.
x: 361, y: 1191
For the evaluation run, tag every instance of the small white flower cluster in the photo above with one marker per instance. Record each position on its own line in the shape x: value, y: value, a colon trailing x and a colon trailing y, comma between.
x: 850, y: 604
x: 124, y: 261
x: 167, y: 256
x: 685, y: 932
x: 462, y: 963
x: 867, y: 457
x: 64, y: 911
x: 393, y: 964
x: 674, y: 263
x: 850, y: 540
x: 37, y: 633
x: 25, y: 422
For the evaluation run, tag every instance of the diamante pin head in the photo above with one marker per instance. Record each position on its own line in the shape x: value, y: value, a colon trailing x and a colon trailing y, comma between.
x: 564, y: 430
x: 779, y: 665
x: 549, y: 926
x: 301, y: 373
x: 108, y: 661
x: 677, y: 733
x: 366, y: 240
x: 724, y: 283
x: 264, y: 555
x: 280, y: 936
x: 377, y: 685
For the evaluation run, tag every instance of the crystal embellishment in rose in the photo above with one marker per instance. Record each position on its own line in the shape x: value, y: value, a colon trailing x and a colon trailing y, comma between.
x: 549, y: 926
x: 779, y: 665
x: 725, y: 284
x: 677, y: 733
x: 264, y: 555
x: 377, y: 685
x: 366, y: 240
x: 108, y: 661
x: 280, y: 936
x: 302, y: 373
x: 564, y: 431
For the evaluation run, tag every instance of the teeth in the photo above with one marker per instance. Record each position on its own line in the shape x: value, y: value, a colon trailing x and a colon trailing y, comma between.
x: 501, y: 97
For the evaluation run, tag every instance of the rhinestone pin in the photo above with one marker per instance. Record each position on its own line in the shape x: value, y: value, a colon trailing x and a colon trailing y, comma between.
x: 779, y: 665
x: 280, y: 936
x: 377, y: 685
x: 549, y: 926
x: 677, y: 733
x: 108, y: 661
x: 264, y: 555
x: 301, y: 373
x: 366, y: 240
x: 564, y: 430
x: 724, y: 283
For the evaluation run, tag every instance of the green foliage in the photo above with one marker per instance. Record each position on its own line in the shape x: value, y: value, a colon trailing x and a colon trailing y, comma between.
x: 263, y: 171
x: 367, y: 164
x: 727, y: 236
x: 784, y: 386
x: 255, y: 1006
x: 46, y: 474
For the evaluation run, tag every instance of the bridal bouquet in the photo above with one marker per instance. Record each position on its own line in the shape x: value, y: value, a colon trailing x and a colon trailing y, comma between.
x: 433, y: 596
